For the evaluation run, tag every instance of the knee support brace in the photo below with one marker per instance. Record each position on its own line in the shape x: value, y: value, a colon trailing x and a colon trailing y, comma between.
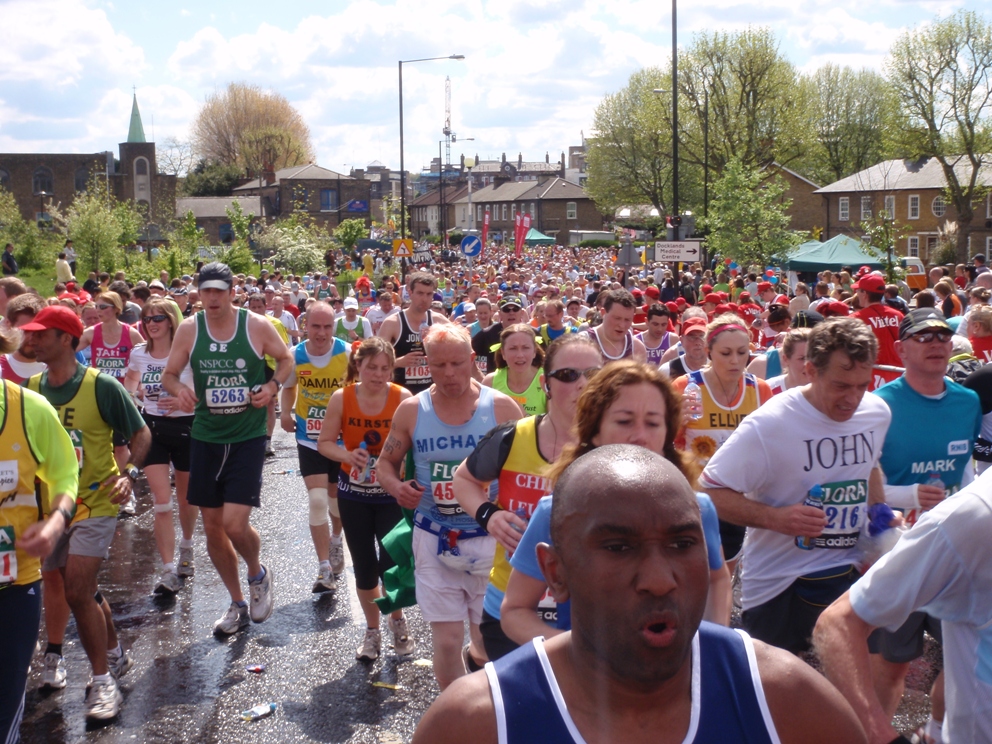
x: 163, y: 508
x: 318, y: 506
x: 333, y: 505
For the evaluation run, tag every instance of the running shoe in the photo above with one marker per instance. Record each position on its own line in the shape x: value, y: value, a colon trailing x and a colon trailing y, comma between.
x: 168, y: 583
x: 403, y: 644
x: 325, y: 581
x: 337, y: 556
x: 261, y: 597
x: 269, y: 452
x: 103, y: 701
x: 53, y: 675
x: 371, y: 644
x: 471, y: 665
x: 185, y: 567
x: 119, y: 665
x: 233, y: 620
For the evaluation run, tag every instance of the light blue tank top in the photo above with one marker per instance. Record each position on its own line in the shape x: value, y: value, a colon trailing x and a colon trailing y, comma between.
x: 438, y: 449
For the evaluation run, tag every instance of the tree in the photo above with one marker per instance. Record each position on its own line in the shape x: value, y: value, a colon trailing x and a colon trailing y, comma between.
x: 748, y: 220
x: 629, y: 160
x: 942, y: 75
x: 212, y: 179
x: 98, y: 226
x: 349, y: 232
x: 184, y: 245
x: 34, y: 247
x: 176, y: 157
x: 853, y: 111
x: 252, y: 129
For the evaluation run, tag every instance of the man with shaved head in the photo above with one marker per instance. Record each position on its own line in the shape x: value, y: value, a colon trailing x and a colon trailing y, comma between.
x: 639, y: 665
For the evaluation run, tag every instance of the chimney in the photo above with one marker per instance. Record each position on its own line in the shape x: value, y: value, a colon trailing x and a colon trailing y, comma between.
x: 562, y: 164
x: 547, y: 157
x: 520, y: 161
x: 504, y: 157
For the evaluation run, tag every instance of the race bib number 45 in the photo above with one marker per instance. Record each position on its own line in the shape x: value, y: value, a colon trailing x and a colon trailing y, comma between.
x: 8, y: 556
x: 844, y: 505
x: 442, y: 488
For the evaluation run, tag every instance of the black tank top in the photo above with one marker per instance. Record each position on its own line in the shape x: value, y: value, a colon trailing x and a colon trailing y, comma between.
x: 416, y: 378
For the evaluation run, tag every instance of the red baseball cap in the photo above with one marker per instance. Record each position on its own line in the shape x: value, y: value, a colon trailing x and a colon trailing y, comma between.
x: 672, y: 308
x: 723, y: 296
x: 863, y: 270
x: 713, y: 297
x: 833, y: 309
x: 652, y: 292
x: 680, y: 301
x: 56, y: 316
x: 693, y: 325
x: 744, y: 296
x: 764, y: 286
x: 870, y: 283
x: 706, y: 288
x: 780, y: 300
x: 722, y: 308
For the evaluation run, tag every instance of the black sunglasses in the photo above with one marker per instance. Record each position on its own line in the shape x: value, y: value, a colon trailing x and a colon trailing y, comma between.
x: 570, y: 374
x: 155, y: 318
x: 106, y: 307
x: 927, y: 336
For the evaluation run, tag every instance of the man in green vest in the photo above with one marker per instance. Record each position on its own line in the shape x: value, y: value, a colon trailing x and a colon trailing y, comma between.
x: 91, y: 407
x: 225, y: 346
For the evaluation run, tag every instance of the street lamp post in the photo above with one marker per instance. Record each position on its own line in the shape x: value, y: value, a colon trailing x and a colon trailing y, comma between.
x: 675, y: 117
x: 440, y: 201
x: 706, y: 152
x: 41, y: 198
x: 402, y: 163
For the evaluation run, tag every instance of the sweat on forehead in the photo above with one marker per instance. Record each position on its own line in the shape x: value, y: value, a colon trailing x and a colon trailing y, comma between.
x: 600, y: 475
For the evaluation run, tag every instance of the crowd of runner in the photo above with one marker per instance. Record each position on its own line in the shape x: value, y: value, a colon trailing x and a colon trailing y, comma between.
x: 578, y: 460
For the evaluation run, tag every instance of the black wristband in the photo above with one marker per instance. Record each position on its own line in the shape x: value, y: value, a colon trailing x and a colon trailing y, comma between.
x: 485, y: 512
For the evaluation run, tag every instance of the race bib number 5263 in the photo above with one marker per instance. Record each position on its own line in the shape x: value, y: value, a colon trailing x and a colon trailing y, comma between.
x: 227, y: 399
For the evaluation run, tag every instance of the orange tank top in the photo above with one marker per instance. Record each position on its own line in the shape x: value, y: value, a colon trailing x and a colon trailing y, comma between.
x: 358, y: 427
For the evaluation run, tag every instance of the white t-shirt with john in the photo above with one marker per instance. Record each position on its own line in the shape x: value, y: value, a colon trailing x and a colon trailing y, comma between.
x: 943, y: 566
x: 776, y: 455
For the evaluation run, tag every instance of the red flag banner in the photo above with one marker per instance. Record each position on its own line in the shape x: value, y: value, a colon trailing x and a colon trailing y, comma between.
x: 518, y: 238
x: 485, y: 230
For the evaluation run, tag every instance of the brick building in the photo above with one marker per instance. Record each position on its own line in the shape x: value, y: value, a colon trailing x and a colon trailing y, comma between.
x: 211, y: 214
x: 38, y: 180
x: 328, y: 197
x: 806, y: 210
x: 911, y: 193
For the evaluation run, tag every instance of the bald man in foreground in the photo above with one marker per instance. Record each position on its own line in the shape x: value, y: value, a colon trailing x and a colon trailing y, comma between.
x: 639, y: 665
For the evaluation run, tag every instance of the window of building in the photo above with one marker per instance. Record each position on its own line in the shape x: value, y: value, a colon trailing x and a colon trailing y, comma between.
x: 844, y: 209
x: 533, y: 210
x: 4, y: 179
x: 82, y: 176
x: 890, y: 208
x: 865, y: 207
x: 913, y: 247
x: 328, y: 200
x: 42, y: 181
x: 226, y: 233
x: 914, y: 207
x: 988, y: 200
x: 571, y: 211
x: 141, y: 167
x: 938, y: 206
x: 988, y: 245
x: 478, y: 213
x: 513, y: 211
x: 931, y: 245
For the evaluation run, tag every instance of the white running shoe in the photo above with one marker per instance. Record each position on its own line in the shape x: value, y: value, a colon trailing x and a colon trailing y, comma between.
x: 103, y: 701
x: 232, y: 621
x: 119, y: 665
x: 185, y: 567
x: 325, y: 581
x: 261, y: 602
x: 168, y: 583
x: 403, y: 644
x: 371, y: 644
x: 53, y: 676
x: 337, y: 556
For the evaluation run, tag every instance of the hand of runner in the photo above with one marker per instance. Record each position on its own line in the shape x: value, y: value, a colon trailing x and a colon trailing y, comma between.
x: 800, y: 520
x: 261, y: 398
x: 929, y: 496
x: 287, y: 422
x: 39, y: 538
x: 507, y: 528
x: 358, y: 458
x: 121, y: 488
x: 411, y: 359
x: 187, y: 399
x: 408, y: 495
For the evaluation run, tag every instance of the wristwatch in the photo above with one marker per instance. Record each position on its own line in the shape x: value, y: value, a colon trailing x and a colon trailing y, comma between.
x: 132, y: 472
x: 278, y: 384
x: 66, y: 515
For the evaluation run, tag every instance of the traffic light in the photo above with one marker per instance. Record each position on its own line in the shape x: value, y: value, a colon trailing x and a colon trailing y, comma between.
x: 676, y: 220
x: 687, y: 226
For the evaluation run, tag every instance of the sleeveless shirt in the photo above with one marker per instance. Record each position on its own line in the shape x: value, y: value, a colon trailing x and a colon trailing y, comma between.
x: 628, y: 346
x: 655, y: 354
x: 111, y: 359
x: 728, y: 700
x: 357, y: 427
x: 532, y: 400
x: 314, y: 388
x: 416, y: 379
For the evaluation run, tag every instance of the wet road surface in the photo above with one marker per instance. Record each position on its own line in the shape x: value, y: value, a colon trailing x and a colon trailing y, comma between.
x: 189, y: 686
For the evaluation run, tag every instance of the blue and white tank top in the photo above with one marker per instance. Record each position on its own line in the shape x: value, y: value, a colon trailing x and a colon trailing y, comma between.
x: 728, y: 701
x: 438, y: 449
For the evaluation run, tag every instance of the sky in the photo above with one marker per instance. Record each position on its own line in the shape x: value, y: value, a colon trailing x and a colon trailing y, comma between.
x: 533, y: 73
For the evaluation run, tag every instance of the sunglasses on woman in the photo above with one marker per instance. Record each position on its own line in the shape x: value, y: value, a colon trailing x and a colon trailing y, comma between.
x: 106, y: 307
x: 155, y: 318
x: 570, y: 374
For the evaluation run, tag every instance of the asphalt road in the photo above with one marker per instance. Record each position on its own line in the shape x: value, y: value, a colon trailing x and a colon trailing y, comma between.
x: 186, y: 685
x: 189, y: 686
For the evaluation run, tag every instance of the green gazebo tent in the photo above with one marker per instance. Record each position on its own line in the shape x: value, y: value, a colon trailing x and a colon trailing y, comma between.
x: 834, y: 254
x: 536, y: 237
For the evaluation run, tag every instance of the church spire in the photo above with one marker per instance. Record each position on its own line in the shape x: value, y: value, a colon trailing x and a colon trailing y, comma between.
x: 136, y: 132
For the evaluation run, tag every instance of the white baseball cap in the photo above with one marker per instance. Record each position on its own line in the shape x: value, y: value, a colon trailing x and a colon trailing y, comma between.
x: 350, y: 302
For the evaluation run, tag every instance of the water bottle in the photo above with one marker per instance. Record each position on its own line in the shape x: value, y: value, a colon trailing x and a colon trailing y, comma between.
x: 878, y: 536
x: 363, y: 475
x: 814, y: 498
x: 521, y: 511
x: 935, y: 481
x: 259, y: 711
x: 695, y: 398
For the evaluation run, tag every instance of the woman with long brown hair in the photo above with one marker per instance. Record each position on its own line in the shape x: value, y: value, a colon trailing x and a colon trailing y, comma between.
x: 625, y: 403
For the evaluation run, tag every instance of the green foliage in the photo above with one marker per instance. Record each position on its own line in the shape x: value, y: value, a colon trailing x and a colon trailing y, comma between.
x: 295, y: 248
x: 748, y: 220
x: 597, y: 244
x: 184, y: 246
x: 349, y: 232
x: 455, y: 238
x: 34, y: 248
x: 881, y: 235
x: 98, y: 226
x: 211, y: 179
x: 238, y: 257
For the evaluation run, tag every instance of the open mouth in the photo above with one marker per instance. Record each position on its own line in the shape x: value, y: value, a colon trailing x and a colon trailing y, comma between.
x: 660, y: 631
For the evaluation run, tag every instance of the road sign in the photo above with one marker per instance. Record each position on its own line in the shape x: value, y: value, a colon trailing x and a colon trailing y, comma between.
x: 628, y: 255
x: 471, y: 246
x: 677, y: 250
x: 403, y: 248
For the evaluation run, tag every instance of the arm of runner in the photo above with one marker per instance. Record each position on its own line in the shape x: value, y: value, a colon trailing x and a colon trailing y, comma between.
x: 841, y: 641
x: 398, y: 443
x: 488, y: 379
x: 758, y: 366
x: 804, y: 706
x: 389, y: 330
x: 876, y: 487
x: 640, y: 353
x: 288, y: 404
x: 135, y: 335
x: 330, y: 430
x: 670, y: 353
x: 506, y: 408
x: 463, y: 712
x: 518, y: 614
x: 85, y: 340
x: 131, y: 380
x: 266, y: 339
x: 796, y: 520
x: 182, y: 346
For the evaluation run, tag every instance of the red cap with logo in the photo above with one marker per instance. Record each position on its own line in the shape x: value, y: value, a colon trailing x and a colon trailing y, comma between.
x: 56, y: 316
